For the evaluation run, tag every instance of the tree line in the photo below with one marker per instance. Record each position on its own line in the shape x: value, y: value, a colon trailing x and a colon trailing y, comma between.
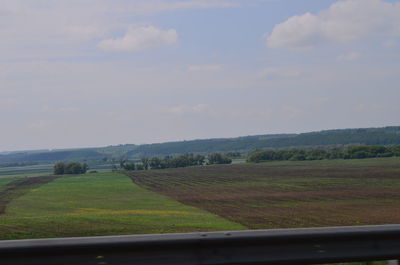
x: 349, y: 152
x: 18, y: 164
x: 73, y: 168
x: 185, y: 160
x: 367, y: 136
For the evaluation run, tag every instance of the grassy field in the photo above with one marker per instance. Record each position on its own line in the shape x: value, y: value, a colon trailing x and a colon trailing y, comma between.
x: 5, y: 180
x: 96, y: 204
x: 287, y: 194
x: 26, y: 170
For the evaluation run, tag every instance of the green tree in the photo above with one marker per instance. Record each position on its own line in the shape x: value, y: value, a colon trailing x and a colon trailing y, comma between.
x: 62, y: 168
x: 58, y: 168
x: 218, y: 158
x: 129, y: 166
x: 145, y: 162
x: 155, y: 163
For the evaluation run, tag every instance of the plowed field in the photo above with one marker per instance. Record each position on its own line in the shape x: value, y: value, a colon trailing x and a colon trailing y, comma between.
x: 287, y: 194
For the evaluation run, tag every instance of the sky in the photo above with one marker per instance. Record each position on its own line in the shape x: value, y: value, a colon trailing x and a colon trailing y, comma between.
x: 83, y: 73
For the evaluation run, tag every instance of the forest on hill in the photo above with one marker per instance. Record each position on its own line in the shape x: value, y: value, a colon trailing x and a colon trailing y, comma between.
x: 342, y: 137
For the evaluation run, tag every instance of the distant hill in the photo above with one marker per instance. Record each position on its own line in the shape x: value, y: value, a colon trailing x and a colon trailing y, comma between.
x: 206, y: 146
x: 52, y: 156
x: 368, y: 136
x: 25, y: 151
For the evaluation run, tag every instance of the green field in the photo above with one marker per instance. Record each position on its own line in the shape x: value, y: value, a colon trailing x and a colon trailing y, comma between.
x: 99, y: 204
x: 34, y: 169
x: 5, y: 180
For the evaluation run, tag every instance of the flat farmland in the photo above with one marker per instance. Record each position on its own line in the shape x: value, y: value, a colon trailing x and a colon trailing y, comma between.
x: 26, y: 170
x: 94, y: 205
x: 287, y: 194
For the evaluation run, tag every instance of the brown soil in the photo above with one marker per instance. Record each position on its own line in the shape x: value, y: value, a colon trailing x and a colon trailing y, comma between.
x: 293, y: 195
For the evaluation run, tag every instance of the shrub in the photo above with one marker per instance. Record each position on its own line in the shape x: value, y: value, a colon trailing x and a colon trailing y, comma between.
x: 218, y: 158
x: 73, y: 168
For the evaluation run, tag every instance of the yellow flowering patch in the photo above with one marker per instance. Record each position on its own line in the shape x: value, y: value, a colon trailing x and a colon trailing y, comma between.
x: 94, y: 211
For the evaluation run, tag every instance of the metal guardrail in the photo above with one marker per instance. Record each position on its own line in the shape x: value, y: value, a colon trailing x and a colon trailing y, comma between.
x: 280, y: 246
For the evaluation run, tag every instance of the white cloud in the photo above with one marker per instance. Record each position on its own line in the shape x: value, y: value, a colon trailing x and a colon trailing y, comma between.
x: 343, y: 22
x: 205, y: 68
x: 40, y: 28
x: 49, y: 28
x: 140, y: 38
x: 348, y: 57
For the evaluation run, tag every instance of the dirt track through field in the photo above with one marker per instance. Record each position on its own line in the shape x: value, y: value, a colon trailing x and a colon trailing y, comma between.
x: 17, y: 188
